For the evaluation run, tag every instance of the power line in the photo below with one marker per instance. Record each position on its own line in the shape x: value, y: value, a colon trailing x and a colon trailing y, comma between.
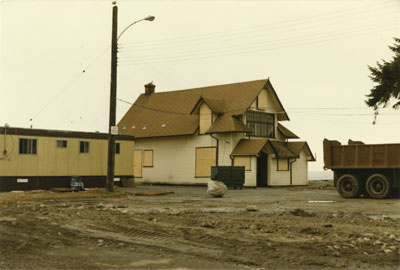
x: 251, y: 34
x: 124, y: 101
x: 153, y: 71
x: 263, y: 48
x: 276, y: 42
x: 245, y: 30
x: 311, y: 113
x: 65, y: 88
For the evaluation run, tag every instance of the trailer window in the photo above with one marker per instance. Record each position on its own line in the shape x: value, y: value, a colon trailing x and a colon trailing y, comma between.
x: 84, y: 147
x: 28, y: 146
x: 117, y: 148
x: 61, y: 144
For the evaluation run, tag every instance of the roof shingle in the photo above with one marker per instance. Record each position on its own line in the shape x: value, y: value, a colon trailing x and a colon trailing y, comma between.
x: 170, y: 113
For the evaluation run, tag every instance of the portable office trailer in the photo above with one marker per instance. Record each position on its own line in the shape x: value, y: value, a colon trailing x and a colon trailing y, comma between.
x: 43, y: 159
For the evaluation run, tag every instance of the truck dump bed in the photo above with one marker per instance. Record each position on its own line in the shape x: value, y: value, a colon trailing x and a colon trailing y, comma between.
x: 357, y: 155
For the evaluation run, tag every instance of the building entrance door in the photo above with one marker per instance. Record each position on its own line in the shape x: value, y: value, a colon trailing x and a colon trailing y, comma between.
x: 262, y: 170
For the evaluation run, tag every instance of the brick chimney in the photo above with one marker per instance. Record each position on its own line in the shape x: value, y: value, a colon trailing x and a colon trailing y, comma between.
x: 149, y: 88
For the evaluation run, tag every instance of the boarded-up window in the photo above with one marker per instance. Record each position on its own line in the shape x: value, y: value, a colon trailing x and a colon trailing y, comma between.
x: 283, y: 164
x: 137, y: 163
x: 242, y: 161
x: 205, y: 118
x: 205, y: 158
x: 148, y: 158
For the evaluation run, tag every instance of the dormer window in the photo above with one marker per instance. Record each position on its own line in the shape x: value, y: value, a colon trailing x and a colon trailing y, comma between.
x: 262, y: 124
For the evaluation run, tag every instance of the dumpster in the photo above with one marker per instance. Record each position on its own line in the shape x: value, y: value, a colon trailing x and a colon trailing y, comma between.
x: 77, y: 184
x: 231, y: 176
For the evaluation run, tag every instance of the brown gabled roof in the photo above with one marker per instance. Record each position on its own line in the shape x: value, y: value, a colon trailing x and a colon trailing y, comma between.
x: 174, y: 109
x: 282, y: 116
x: 216, y: 105
x: 286, y: 133
x: 297, y: 147
x: 236, y: 96
x: 227, y: 123
x: 251, y: 147
x: 281, y: 149
x: 143, y: 122
x: 290, y: 149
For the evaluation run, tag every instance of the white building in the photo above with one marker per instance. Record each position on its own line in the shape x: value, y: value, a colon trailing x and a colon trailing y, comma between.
x: 179, y: 135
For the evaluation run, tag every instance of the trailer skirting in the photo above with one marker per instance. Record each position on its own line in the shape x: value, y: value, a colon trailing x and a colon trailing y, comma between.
x: 8, y: 183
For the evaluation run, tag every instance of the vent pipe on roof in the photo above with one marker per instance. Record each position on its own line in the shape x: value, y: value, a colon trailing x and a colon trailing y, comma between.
x: 149, y: 88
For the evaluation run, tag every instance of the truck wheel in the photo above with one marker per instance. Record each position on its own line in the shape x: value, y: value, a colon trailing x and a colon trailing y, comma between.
x: 378, y: 186
x: 348, y: 186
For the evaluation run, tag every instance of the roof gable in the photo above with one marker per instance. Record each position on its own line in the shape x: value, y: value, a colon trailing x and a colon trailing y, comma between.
x: 236, y: 97
x: 286, y: 132
x: 280, y: 149
x: 227, y: 123
x: 174, y: 112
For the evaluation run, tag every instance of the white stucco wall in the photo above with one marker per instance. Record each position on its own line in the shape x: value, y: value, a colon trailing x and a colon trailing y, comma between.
x: 300, y: 170
x: 275, y: 177
x: 173, y: 159
x: 251, y: 176
x: 282, y: 178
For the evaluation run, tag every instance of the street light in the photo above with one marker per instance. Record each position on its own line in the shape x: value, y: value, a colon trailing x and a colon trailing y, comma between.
x: 112, y: 130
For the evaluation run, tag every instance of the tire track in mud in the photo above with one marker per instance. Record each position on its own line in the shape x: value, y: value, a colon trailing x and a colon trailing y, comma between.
x: 159, y: 238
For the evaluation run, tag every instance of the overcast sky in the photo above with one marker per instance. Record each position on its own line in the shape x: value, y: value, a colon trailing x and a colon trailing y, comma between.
x: 55, y: 60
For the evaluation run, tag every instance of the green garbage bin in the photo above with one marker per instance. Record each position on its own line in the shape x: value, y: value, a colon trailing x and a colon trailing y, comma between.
x: 231, y: 176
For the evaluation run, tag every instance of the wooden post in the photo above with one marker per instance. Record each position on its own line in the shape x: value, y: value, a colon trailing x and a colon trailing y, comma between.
x: 113, y: 103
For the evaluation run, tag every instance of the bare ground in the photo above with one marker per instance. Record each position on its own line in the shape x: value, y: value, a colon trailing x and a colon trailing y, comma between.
x: 270, y: 228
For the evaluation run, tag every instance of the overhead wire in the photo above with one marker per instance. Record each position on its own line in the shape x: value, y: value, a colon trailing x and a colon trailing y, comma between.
x: 68, y: 85
x: 291, y: 112
x: 297, y: 22
x: 256, y: 46
x: 285, y: 40
x: 245, y: 37
x: 152, y: 70
x: 254, y: 49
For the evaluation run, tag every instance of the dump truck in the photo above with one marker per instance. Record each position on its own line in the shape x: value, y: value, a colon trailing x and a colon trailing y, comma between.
x: 363, y: 169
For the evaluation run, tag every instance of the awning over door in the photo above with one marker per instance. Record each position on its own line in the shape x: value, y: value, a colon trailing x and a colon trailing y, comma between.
x: 253, y: 147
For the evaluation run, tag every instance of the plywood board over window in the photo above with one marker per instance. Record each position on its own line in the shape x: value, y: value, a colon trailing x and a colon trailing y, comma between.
x: 205, y: 158
x: 243, y: 161
x: 148, y: 158
x: 283, y: 164
x: 137, y: 163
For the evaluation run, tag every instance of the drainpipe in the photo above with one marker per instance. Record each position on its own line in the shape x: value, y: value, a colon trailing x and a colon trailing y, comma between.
x: 290, y: 167
x: 216, y: 163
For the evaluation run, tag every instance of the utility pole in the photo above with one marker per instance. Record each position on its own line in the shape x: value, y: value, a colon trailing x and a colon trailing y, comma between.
x: 113, y: 102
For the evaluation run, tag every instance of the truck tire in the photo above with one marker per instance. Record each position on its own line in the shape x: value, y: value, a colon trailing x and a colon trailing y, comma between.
x: 378, y: 186
x: 348, y: 186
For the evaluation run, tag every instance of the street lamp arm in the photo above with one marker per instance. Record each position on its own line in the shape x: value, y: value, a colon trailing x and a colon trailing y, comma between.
x: 148, y: 18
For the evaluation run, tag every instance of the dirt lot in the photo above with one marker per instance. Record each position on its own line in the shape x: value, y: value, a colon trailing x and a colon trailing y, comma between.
x: 269, y: 228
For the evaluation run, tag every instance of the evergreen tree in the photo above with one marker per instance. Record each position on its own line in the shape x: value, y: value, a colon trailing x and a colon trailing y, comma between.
x: 387, y: 78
